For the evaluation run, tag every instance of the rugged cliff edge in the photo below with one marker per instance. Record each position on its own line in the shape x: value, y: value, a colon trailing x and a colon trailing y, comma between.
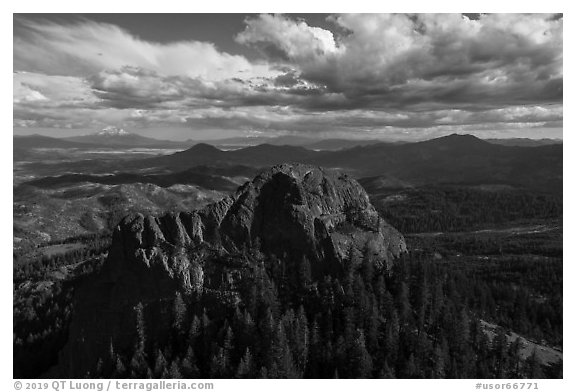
x: 289, y: 213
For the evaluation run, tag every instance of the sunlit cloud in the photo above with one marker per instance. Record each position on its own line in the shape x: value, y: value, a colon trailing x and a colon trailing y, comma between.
x: 372, y: 75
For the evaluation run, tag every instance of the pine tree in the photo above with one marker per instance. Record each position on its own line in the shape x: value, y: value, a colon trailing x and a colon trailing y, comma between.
x: 436, y: 302
x: 422, y: 302
x: 195, y: 330
x: 138, y: 365
x: 360, y: 360
x: 411, y: 370
x: 301, y: 341
x: 372, y: 329
x: 367, y: 268
x: 461, y: 332
x: 282, y: 361
x: 264, y: 344
x: 500, y: 354
x: 391, y: 337
x: 140, y: 327
x: 175, y: 371
x: 304, y: 272
x: 99, y: 369
x: 110, y: 362
x: 160, y: 364
x: 386, y: 371
x: 120, y: 370
x: 189, y: 368
x: 179, y: 312
x: 247, y: 331
x: 439, y: 360
x: 245, y: 366
x: 218, y: 368
x: 228, y: 347
x: 205, y: 333
x: 349, y: 324
x: 316, y: 348
x: 515, y: 360
x: 403, y: 304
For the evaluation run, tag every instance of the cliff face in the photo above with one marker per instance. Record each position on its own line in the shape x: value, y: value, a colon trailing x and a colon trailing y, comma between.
x: 290, y: 213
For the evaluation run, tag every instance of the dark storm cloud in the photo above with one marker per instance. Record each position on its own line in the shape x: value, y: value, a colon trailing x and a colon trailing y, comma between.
x: 288, y: 79
x: 420, y: 58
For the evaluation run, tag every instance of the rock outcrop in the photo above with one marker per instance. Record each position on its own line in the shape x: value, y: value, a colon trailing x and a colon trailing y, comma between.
x: 289, y: 212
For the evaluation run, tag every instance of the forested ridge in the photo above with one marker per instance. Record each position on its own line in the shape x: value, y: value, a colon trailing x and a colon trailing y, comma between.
x: 42, y: 304
x: 422, y: 319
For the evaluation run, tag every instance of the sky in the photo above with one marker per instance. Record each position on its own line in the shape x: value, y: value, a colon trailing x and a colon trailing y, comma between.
x: 365, y: 76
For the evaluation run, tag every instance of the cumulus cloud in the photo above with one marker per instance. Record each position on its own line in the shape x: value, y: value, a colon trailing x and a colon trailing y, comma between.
x: 369, y: 75
x: 131, y: 87
x: 400, y: 59
x: 141, y: 88
x: 282, y: 38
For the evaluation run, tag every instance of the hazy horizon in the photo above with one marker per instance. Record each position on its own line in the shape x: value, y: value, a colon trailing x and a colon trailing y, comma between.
x: 158, y: 136
x: 360, y: 76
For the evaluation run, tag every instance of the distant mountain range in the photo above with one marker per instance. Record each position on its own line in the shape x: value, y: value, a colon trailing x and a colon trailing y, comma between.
x: 525, y: 142
x: 107, y: 138
x: 340, y: 143
x: 454, y: 159
x: 39, y: 141
x: 299, y: 141
x: 462, y: 159
x: 111, y: 137
x: 117, y: 137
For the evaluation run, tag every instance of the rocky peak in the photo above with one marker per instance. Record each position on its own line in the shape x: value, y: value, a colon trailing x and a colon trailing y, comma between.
x: 294, y: 209
x: 287, y: 214
x: 289, y: 211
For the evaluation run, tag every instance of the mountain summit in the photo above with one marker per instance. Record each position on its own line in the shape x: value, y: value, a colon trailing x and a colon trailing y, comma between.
x: 112, y: 136
x: 289, y: 211
x: 296, y: 222
x: 113, y: 131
